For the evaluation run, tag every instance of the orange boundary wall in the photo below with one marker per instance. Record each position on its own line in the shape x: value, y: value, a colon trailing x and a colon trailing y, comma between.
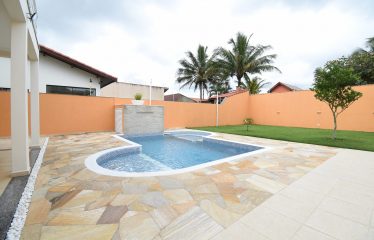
x: 301, y: 109
x: 4, y: 114
x: 183, y: 114
x: 64, y: 114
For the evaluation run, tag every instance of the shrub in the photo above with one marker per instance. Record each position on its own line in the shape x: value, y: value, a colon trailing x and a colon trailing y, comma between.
x: 138, y: 96
x: 247, y: 122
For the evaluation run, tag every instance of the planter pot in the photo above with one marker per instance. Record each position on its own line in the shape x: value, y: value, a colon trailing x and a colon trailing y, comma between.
x: 137, y: 102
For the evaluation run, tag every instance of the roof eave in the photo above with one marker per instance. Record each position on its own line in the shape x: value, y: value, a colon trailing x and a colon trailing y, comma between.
x: 106, y: 78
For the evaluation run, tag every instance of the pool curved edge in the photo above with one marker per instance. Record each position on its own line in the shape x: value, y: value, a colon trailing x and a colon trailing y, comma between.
x: 91, y: 161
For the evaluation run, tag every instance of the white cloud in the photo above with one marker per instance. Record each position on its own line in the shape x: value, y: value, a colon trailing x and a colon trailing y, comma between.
x: 304, y: 37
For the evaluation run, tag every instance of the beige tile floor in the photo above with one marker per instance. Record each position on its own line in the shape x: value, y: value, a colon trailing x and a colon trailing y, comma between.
x: 333, y: 201
x: 5, y: 163
x: 71, y: 202
x: 5, y: 169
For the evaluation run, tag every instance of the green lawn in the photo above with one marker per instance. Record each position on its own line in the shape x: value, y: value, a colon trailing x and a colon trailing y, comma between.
x: 345, y: 139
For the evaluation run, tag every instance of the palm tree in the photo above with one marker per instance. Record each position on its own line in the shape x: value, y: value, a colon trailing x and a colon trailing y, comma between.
x: 369, y: 45
x: 197, y: 70
x: 219, y: 86
x: 244, y: 59
x: 254, y: 85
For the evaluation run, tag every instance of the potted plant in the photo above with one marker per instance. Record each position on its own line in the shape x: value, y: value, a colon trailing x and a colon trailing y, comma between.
x: 137, y: 99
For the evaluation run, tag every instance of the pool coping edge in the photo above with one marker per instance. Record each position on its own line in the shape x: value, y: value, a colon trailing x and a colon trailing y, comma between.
x: 91, y: 161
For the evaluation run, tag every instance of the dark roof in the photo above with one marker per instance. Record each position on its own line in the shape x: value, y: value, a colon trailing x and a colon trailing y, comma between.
x: 105, y: 78
x: 176, y: 97
x: 288, y: 86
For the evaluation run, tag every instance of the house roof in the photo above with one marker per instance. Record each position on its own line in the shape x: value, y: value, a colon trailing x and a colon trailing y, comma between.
x: 137, y: 84
x: 288, y: 86
x: 105, y: 77
x: 198, y: 100
x: 229, y: 94
x: 169, y: 97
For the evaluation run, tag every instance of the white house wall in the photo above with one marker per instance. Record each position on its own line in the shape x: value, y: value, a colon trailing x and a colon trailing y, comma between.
x: 128, y: 90
x: 53, y: 72
x: 4, y: 72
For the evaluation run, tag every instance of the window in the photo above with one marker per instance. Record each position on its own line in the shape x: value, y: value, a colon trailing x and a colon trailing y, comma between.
x: 71, y: 90
x: 4, y: 89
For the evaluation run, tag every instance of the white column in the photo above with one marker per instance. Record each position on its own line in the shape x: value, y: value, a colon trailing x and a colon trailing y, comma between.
x: 19, y: 107
x: 217, y: 99
x: 34, y: 88
x: 150, y: 93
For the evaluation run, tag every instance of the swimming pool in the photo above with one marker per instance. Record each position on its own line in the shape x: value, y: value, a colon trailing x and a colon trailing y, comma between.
x: 172, y: 152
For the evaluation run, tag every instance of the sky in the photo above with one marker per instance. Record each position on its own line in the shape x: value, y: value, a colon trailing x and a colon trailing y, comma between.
x: 141, y: 40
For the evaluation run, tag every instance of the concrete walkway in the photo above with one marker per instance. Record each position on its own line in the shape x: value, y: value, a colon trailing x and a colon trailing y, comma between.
x: 333, y: 201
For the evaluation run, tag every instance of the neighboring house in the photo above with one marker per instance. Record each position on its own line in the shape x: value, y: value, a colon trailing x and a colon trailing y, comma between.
x: 200, y: 101
x: 222, y: 97
x: 59, y: 73
x: 283, y: 87
x: 128, y: 90
x: 178, y: 97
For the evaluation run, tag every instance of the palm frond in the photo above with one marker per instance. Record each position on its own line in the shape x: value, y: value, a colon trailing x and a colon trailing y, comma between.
x: 244, y: 59
x: 197, y: 70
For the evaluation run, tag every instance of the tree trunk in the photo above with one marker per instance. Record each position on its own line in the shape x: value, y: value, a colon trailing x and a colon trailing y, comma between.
x: 239, y: 80
x: 335, y: 126
x: 201, y: 93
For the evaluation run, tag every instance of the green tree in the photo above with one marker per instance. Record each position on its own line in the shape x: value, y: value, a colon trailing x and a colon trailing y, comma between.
x: 218, y: 88
x: 362, y: 62
x: 369, y: 45
x: 220, y: 83
x: 244, y: 59
x: 196, y: 71
x: 254, y: 85
x: 332, y: 84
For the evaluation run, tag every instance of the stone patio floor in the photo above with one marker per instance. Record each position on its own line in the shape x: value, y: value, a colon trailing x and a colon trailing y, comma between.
x: 264, y: 196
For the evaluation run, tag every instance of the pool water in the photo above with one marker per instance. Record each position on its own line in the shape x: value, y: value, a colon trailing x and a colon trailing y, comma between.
x: 173, y: 151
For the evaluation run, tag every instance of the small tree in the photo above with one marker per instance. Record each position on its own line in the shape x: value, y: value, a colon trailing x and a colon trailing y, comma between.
x: 332, y: 84
x: 247, y: 122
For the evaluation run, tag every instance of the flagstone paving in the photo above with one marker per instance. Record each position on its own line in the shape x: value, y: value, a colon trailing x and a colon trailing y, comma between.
x: 71, y: 202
